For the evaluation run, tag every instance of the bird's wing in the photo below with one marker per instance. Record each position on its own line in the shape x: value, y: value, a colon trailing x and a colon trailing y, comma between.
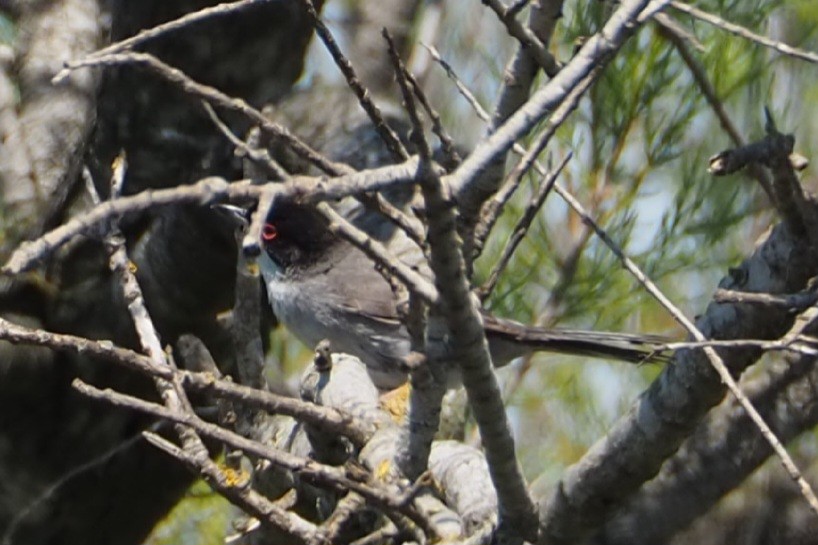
x: 361, y: 290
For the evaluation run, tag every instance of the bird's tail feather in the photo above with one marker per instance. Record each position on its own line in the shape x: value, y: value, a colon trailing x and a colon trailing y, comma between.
x: 509, y: 339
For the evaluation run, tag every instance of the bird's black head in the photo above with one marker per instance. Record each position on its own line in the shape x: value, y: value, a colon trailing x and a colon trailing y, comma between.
x: 295, y: 235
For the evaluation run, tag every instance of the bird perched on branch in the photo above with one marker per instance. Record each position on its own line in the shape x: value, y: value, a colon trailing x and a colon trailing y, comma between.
x: 322, y: 287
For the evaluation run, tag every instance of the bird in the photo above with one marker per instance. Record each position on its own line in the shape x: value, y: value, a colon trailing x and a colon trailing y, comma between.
x: 321, y: 286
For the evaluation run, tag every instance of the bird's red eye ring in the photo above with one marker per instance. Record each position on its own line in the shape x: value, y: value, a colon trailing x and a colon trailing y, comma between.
x: 269, y: 232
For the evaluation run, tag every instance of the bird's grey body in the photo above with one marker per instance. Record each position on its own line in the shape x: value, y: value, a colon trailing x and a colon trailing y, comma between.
x: 343, y: 303
x: 321, y: 287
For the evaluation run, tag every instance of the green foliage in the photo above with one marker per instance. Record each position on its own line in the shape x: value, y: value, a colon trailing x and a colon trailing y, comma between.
x: 200, y: 518
x: 641, y: 139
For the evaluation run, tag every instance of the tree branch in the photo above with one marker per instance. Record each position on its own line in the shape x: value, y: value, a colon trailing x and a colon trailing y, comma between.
x: 466, y: 182
x: 203, y: 192
x: 724, y: 451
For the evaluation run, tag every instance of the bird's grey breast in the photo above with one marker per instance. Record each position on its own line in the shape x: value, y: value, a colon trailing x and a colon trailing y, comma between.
x: 346, y: 301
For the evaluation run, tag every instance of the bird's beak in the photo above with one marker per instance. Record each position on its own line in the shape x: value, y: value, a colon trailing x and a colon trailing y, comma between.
x: 250, y: 246
x: 238, y: 215
x: 241, y: 217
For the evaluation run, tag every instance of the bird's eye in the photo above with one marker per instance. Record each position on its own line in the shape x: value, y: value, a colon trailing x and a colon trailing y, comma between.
x: 269, y: 232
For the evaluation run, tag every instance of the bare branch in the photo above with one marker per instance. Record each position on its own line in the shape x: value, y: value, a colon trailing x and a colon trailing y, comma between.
x: 800, y: 344
x: 217, y: 98
x: 452, y: 156
x: 726, y: 446
x: 594, y: 55
x: 518, y: 79
x: 461, y: 87
x: 308, y: 469
x: 104, y: 350
x: 394, y: 214
x: 415, y: 282
x: 641, y: 442
x: 259, y: 156
x: 389, y: 137
x: 493, y: 208
x: 234, y: 487
x: 171, y: 391
x: 520, y: 230
x: 469, y: 350
x: 148, y: 34
x: 333, y: 420
x: 700, y: 77
x: 530, y: 40
x: 204, y: 192
x: 738, y: 30
x: 796, y: 301
x: 427, y: 389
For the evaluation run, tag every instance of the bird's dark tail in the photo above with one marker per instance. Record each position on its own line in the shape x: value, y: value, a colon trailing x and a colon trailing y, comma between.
x: 509, y: 339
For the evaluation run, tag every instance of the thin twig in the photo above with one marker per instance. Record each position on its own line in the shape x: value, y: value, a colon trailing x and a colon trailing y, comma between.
x: 308, y: 469
x: 743, y: 32
x: 712, y: 355
x: 217, y: 98
x: 394, y: 214
x: 259, y: 156
x: 234, y: 487
x: 795, y: 301
x: 416, y: 283
x: 170, y: 390
x: 799, y: 343
x: 467, y: 182
x: 148, y: 34
x: 452, y: 156
x: 458, y: 83
x: 334, y: 420
x: 518, y: 80
x: 104, y: 350
x: 520, y: 230
x: 263, y: 159
x: 524, y: 35
x: 426, y: 394
x: 494, y: 207
x: 703, y: 81
x: 720, y: 454
x: 418, y: 136
x: 389, y: 137
x: 802, y: 322
x: 124, y: 269
x: 669, y: 24
x: 467, y: 340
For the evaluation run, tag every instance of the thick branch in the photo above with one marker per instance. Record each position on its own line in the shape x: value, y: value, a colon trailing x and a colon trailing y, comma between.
x: 669, y: 410
x: 725, y: 450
